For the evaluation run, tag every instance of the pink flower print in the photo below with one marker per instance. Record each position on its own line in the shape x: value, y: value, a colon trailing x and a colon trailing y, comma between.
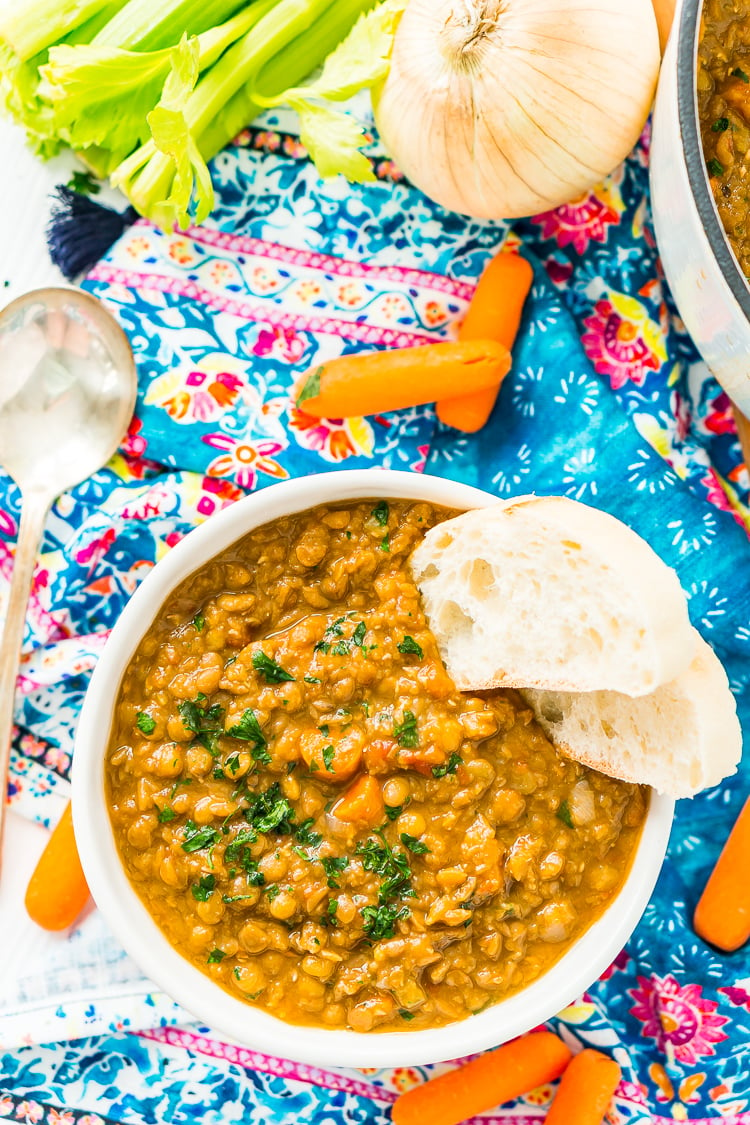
x: 182, y: 251
x: 405, y: 1078
x: 96, y: 549
x: 7, y: 524
x: 243, y: 138
x: 681, y: 1021
x: 203, y: 393
x: 737, y: 995
x: 91, y: 1119
x: 683, y: 415
x: 576, y: 224
x: 559, y: 272
x: 420, y: 464
x: 619, y: 964
x: 29, y: 1111
x: 267, y: 140
x: 215, y: 495
x: 263, y: 280
x: 281, y: 342
x: 720, y: 419
x: 63, y: 1117
x: 616, y: 346
x: 387, y: 170
x: 244, y: 461
x: 6, y: 1105
x: 57, y: 759
x: 134, y: 444
x: 294, y: 148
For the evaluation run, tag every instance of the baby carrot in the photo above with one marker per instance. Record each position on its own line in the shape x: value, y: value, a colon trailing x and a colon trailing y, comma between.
x: 585, y: 1091
x: 362, y: 802
x: 484, y: 1082
x: 375, y: 382
x: 494, y: 314
x: 722, y: 916
x: 57, y: 891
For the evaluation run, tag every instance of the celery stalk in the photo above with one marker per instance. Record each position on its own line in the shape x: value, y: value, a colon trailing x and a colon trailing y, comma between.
x: 145, y: 25
x: 283, y: 48
x: 102, y: 95
x: 29, y: 29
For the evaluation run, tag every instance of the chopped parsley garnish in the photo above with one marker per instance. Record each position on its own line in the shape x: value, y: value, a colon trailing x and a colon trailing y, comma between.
x: 270, y: 670
x: 312, y: 679
x: 720, y: 125
x: 204, y: 888
x: 324, y: 729
x: 385, y: 544
x: 270, y: 812
x: 215, y: 956
x: 380, y: 921
x: 248, y: 730
x: 204, y: 724
x: 305, y: 835
x: 380, y: 513
x: 197, y: 838
x: 333, y: 866
x: 738, y: 73
x: 255, y: 877
x: 235, y: 898
x: 715, y: 167
x: 199, y: 622
x: 218, y: 774
x: 413, y: 844
x: 381, y: 859
x: 273, y: 891
x: 331, y: 911
x: 406, y: 1015
x: 449, y: 767
x: 563, y: 813
x: 409, y: 647
x: 244, y: 836
x: 310, y: 387
x: 336, y: 643
x: 328, y: 755
x: 303, y: 854
x: 145, y: 723
x: 406, y: 731
x: 232, y: 763
x: 166, y: 814
x: 394, y: 811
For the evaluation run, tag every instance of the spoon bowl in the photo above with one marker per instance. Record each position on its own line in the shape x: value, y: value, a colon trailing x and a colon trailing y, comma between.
x: 68, y: 386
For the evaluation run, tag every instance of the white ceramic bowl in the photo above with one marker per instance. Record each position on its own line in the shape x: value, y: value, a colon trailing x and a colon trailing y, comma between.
x: 143, y: 939
x: 707, y: 283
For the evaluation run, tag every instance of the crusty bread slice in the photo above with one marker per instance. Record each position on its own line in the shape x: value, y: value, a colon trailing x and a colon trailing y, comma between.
x: 548, y: 592
x: 680, y: 739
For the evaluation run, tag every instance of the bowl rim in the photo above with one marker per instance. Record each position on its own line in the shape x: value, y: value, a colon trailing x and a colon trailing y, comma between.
x: 687, y: 110
x: 139, y: 934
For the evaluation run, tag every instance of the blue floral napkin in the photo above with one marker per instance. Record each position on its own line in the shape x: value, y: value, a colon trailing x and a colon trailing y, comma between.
x: 607, y: 402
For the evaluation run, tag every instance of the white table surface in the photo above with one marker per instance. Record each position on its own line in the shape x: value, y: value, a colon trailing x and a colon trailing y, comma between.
x: 25, y: 186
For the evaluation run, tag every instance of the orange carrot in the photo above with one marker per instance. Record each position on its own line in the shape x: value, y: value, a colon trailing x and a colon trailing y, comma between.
x: 362, y: 802
x: 494, y: 314
x: 333, y: 762
x: 375, y: 382
x: 586, y: 1090
x: 485, y: 1082
x: 722, y: 916
x: 57, y: 890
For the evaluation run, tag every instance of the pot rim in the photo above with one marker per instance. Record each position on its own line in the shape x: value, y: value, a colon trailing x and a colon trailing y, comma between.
x: 687, y: 110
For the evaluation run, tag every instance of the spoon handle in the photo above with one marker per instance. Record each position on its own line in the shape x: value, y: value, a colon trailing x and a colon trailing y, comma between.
x: 33, y: 514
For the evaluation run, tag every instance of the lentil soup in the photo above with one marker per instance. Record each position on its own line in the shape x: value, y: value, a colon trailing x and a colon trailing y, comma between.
x: 318, y: 819
x: 723, y: 79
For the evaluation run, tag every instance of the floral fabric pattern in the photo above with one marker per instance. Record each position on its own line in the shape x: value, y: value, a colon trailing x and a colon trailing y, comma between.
x: 606, y: 402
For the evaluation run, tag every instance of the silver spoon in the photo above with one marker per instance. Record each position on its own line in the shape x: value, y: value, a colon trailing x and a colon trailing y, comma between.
x: 67, y: 392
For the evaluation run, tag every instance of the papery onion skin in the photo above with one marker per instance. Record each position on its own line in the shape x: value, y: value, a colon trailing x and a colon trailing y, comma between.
x: 506, y: 108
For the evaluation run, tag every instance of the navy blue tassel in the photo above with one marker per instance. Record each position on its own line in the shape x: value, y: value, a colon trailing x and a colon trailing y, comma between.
x: 80, y: 230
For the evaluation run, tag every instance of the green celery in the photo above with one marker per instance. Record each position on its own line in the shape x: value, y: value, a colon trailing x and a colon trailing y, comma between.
x: 289, y: 24
x: 28, y: 29
x: 101, y: 95
x: 148, y: 25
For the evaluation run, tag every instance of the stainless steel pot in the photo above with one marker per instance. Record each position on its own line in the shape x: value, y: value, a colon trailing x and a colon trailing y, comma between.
x: 710, y: 290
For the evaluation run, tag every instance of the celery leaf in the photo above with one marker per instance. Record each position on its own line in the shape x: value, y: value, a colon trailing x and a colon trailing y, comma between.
x: 333, y: 140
